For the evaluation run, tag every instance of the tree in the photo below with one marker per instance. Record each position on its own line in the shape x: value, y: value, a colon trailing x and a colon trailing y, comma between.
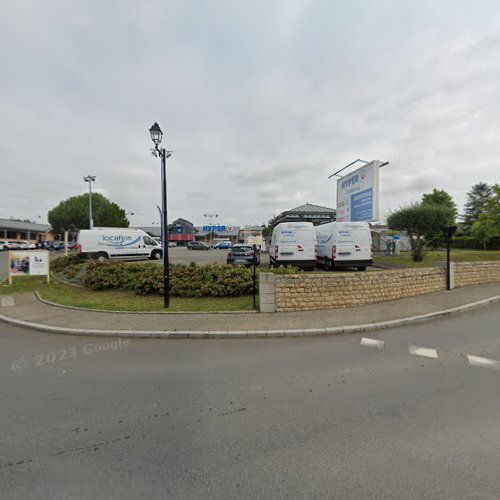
x: 439, y: 197
x: 73, y: 214
x: 477, y: 198
x: 266, y: 230
x: 487, y: 226
x: 421, y: 222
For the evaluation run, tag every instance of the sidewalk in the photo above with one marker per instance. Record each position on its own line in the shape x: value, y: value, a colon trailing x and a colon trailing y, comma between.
x: 27, y: 311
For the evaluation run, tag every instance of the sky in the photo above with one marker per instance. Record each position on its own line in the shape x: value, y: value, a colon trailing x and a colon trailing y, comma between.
x: 260, y: 102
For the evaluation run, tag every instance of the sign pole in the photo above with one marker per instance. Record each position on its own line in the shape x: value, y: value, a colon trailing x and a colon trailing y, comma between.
x: 254, y: 273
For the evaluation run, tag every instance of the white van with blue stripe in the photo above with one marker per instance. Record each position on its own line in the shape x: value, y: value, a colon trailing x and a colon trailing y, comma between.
x: 344, y: 245
x: 104, y: 243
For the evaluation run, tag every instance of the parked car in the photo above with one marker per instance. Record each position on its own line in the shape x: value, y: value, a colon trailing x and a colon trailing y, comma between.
x: 25, y: 245
x: 8, y: 245
x: 242, y: 254
x: 223, y: 245
x: 56, y: 245
x: 197, y: 245
x: 172, y: 244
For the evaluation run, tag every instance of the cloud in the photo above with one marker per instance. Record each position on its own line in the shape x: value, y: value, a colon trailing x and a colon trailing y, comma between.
x: 260, y: 102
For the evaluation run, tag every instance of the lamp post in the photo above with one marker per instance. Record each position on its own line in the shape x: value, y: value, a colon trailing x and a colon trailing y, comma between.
x: 156, y: 137
x: 90, y: 179
x: 211, y: 216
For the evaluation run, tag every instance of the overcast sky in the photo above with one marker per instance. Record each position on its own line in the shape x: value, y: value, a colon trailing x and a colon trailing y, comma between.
x: 260, y: 101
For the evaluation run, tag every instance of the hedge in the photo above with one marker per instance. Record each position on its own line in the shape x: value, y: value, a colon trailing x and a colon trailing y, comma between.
x: 185, y: 281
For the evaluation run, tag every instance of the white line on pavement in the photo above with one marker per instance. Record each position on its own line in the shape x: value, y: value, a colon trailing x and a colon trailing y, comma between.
x: 483, y: 362
x: 372, y: 343
x: 423, y: 351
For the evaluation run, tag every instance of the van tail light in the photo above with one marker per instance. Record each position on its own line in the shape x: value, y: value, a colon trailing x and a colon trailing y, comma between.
x: 315, y: 250
x: 79, y: 248
x: 357, y: 248
x: 276, y: 252
x: 371, y: 250
x: 334, y: 252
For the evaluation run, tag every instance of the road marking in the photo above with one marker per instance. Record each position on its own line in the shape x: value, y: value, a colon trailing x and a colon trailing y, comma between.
x: 372, y: 343
x: 483, y: 362
x: 423, y: 351
x: 8, y: 301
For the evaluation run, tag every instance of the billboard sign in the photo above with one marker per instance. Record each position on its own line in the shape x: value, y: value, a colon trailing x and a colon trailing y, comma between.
x: 30, y: 263
x: 358, y: 194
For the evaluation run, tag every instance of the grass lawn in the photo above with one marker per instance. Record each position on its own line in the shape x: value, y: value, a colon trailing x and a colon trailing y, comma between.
x: 433, y: 256
x: 115, y: 300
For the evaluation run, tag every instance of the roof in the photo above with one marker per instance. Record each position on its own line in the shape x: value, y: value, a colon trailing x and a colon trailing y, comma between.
x: 182, y: 222
x: 23, y: 226
x: 309, y: 208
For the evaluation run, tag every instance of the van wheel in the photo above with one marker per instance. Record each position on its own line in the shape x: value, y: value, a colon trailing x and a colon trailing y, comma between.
x: 156, y: 255
x: 361, y: 268
x: 101, y: 257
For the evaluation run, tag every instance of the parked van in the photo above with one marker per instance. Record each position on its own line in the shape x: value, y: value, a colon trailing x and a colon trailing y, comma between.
x: 103, y: 243
x: 344, y: 244
x: 293, y: 243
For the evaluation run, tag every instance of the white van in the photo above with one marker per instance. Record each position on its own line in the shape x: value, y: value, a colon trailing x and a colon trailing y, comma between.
x: 103, y: 243
x: 293, y: 243
x: 344, y: 244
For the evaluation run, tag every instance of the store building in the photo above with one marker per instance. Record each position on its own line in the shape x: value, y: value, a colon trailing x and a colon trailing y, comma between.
x: 11, y: 229
x: 180, y: 231
x: 305, y: 213
x: 217, y: 232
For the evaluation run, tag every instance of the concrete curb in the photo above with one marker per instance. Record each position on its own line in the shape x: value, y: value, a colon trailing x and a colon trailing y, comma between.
x: 189, y: 334
x: 62, y: 306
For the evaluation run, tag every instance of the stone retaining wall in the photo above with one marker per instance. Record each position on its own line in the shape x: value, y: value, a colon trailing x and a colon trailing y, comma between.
x: 306, y: 292
x: 476, y: 273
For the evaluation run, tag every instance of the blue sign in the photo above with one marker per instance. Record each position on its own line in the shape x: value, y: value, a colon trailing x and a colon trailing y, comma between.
x: 396, y: 237
x: 178, y: 230
x: 361, y: 205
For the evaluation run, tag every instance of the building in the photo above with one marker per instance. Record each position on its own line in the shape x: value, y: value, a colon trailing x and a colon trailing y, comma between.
x: 306, y: 213
x: 12, y: 229
x: 217, y: 232
x: 181, y: 231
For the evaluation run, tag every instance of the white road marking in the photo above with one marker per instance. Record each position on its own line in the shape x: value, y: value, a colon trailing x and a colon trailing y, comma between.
x: 423, y: 351
x: 8, y: 301
x: 483, y: 362
x: 372, y: 343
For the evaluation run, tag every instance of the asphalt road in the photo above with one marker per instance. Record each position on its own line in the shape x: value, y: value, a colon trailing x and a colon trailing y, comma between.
x: 322, y: 417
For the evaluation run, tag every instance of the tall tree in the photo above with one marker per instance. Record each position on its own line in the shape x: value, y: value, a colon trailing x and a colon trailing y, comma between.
x: 73, y: 213
x: 440, y: 198
x: 421, y: 222
x: 487, y: 226
x: 477, y: 197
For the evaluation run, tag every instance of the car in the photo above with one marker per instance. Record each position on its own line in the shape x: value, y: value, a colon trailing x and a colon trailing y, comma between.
x: 223, y: 245
x: 242, y: 254
x: 25, y: 245
x: 172, y: 244
x: 57, y: 245
x: 8, y: 245
x: 197, y: 245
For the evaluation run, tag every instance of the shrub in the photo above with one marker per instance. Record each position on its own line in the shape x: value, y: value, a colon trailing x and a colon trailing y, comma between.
x: 185, y: 281
x: 60, y: 263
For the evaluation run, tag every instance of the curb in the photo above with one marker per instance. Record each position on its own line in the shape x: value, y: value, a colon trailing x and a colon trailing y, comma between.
x: 74, y: 308
x: 189, y: 334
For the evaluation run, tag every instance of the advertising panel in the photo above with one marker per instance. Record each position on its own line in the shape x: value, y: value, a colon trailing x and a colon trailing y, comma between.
x: 28, y: 263
x: 358, y: 194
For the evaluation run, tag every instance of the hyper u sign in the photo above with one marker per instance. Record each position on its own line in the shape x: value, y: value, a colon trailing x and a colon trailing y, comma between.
x: 358, y: 194
x: 219, y: 229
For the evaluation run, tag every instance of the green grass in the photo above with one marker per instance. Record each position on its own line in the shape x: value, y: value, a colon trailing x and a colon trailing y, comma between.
x: 122, y: 300
x: 434, y: 256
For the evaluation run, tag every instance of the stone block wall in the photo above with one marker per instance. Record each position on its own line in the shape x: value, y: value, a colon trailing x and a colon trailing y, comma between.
x: 476, y: 273
x: 305, y: 292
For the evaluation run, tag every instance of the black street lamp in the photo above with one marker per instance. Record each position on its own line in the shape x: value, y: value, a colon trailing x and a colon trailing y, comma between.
x: 156, y: 137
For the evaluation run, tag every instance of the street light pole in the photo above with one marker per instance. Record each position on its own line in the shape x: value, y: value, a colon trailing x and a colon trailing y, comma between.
x: 156, y: 137
x: 210, y: 216
x: 90, y: 179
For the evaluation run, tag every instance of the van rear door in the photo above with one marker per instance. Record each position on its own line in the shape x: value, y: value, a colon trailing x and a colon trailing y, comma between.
x: 345, y: 246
